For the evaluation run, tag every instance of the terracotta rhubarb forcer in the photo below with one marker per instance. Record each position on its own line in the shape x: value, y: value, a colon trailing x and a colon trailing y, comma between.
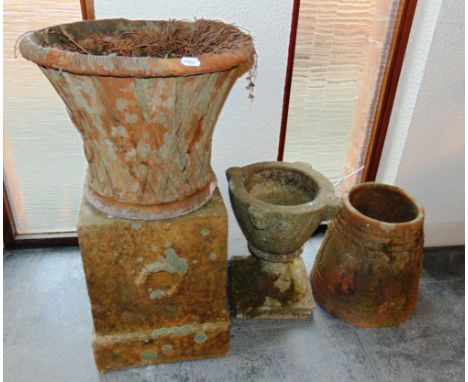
x: 146, y: 122
x: 368, y: 267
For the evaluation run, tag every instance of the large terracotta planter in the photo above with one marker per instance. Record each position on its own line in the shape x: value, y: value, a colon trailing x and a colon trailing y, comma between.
x: 368, y: 267
x: 146, y: 122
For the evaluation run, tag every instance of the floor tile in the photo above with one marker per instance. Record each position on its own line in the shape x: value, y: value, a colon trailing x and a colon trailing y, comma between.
x: 311, y: 248
x: 445, y: 263
x: 318, y: 349
x: 18, y: 271
x: 427, y: 347
x: 52, y: 340
x: 48, y: 324
x: 171, y: 372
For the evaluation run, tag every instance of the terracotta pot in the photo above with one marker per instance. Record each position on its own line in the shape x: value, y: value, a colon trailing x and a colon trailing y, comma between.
x: 146, y: 122
x: 279, y: 205
x: 368, y: 267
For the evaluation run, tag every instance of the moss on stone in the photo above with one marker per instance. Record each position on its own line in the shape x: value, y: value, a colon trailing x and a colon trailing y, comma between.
x: 251, y: 286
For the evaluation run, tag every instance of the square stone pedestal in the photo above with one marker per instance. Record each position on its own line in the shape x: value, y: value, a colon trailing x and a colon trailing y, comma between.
x: 263, y: 289
x: 157, y: 288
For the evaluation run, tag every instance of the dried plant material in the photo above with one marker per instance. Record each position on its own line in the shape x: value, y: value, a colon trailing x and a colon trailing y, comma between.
x: 174, y: 40
x: 251, y: 79
x: 72, y: 40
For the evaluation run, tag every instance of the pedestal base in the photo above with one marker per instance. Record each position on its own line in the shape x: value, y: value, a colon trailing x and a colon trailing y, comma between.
x: 161, y: 345
x: 157, y: 288
x: 274, y: 257
x: 263, y: 289
x: 150, y: 212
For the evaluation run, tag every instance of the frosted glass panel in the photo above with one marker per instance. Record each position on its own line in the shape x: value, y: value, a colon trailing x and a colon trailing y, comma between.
x: 43, y: 161
x: 341, y: 52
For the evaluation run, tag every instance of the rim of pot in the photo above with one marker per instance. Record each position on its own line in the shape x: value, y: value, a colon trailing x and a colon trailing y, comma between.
x: 122, y: 66
x: 382, y: 224
x: 325, y: 190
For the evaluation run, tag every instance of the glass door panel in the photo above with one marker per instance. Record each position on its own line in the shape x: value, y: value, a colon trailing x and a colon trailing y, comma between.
x: 340, y: 58
x: 43, y: 161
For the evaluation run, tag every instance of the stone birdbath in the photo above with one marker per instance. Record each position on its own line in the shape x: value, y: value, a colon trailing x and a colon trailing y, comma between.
x: 278, y: 206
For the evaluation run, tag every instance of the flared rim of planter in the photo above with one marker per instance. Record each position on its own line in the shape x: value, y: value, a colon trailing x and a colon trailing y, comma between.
x: 369, y: 221
x: 31, y: 47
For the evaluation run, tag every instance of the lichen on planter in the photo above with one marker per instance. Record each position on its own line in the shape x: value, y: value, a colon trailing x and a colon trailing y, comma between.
x: 146, y: 122
x: 368, y: 267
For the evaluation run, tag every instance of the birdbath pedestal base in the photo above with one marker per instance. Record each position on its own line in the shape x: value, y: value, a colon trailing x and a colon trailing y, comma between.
x: 265, y: 289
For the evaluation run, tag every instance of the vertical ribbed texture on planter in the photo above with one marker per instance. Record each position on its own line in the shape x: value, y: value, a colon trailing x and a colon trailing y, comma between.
x: 368, y: 267
x: 146, y: 122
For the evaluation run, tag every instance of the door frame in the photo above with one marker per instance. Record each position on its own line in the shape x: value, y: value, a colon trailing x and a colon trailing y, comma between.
x: 87, y: 9
x: 396, y: 55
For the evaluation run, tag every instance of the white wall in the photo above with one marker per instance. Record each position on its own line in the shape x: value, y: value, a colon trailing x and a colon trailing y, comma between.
x: 246, y: 131
x: 424, y: 150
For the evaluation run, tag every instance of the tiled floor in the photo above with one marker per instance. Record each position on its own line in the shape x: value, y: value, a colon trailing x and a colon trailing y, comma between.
x: 47, y: 335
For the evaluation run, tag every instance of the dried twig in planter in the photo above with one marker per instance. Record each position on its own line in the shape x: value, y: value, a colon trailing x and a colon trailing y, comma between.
x: 72, y: 40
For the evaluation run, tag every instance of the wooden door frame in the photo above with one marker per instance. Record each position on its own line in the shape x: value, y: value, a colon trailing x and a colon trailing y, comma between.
x: 396, y: 55
x: 11, y: 238
x: 288, y: 80
x: 87, y: 9
x: 399, y: 42
x: 403, y: 23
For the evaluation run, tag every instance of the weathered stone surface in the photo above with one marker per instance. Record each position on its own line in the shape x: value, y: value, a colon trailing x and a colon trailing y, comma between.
x: 157, y: 288
x: 264, y: 289
x: 279, y: 205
